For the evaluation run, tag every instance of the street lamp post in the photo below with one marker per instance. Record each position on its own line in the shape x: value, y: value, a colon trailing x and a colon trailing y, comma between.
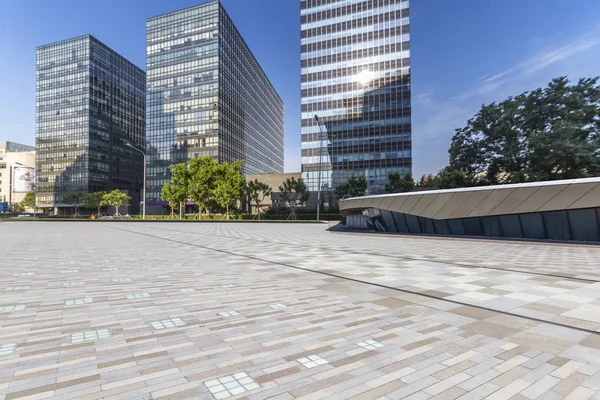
x: 34, y: 187
x: 10, y: 186
x: 144, y: 187
x: 320, y: 164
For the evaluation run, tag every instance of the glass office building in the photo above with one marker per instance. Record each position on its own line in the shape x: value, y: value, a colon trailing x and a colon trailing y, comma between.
x: 207, y: 96
x: 355, y: 76
x: 90, y: 102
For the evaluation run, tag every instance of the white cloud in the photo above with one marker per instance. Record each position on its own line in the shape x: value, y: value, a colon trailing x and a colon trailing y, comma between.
x: 537, y: 62
x: 422, y: 99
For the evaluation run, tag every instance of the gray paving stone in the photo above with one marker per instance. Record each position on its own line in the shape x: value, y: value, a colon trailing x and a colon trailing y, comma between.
x: 432, y: 347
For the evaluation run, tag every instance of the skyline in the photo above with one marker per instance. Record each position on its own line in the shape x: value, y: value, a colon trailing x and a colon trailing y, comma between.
x: 453, y: 74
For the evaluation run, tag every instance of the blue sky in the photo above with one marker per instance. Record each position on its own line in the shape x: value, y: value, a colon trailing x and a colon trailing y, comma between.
x: 464, y: 53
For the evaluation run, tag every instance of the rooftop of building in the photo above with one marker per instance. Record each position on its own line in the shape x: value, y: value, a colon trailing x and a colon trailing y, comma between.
x: 91, y: 38
x: 8, y: 146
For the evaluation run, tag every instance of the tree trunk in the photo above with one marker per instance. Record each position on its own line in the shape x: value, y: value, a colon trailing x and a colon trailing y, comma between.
x: 292, y: 215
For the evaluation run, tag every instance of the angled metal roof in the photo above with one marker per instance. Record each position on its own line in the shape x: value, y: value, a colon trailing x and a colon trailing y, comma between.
x: 486, y: 200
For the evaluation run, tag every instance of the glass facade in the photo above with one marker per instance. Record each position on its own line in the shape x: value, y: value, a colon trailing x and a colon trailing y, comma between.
x: 207, y: 96
x: 563, y: 225
x: 355, y: 76
x: 90, y: 102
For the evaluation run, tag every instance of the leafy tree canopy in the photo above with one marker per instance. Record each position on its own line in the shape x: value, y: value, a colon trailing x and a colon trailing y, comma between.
x: 295, y: 193
x: 116, y: 199
x: 173, y: 194
x: 257, y: 192
x: 76, y: 200
x: 399, y: 184
x: 29, y: 200
x: 546, y: 134
x: 229, y: 186
x: 354, y: 187
x: 94, y: 200
x: 447, y: 178
x: 200, y: 178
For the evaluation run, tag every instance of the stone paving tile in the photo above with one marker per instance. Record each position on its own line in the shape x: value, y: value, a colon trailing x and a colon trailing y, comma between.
x: 159, y: 310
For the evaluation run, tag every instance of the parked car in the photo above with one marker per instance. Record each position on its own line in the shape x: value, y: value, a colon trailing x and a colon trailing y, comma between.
x: 25, y: 215
x: 115, y: 217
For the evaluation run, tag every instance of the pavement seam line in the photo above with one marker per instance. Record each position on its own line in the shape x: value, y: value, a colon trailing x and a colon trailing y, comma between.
x: 368, y: 283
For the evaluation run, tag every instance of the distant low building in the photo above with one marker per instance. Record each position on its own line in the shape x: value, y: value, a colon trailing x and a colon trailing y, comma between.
x: 17, y: 172
x: 274, y: 181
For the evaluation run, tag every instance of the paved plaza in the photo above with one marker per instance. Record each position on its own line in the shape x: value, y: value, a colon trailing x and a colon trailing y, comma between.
x: 125, y: 310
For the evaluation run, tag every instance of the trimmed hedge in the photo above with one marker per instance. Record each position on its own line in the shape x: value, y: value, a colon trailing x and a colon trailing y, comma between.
x: 244, y: 217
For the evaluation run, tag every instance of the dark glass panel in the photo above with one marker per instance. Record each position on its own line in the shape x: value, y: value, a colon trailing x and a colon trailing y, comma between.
x: 533, y: 226
x: 584, y: 225
x: 557, y: 225
x: 400, y: 222
x: 473, y: 226
x: 441, y: 226
x: 388, y: 221
x: 511, y: 227
x: 491, y: 226
x: 427, y: 224
x: 456, y: 226
x: 413, y: 223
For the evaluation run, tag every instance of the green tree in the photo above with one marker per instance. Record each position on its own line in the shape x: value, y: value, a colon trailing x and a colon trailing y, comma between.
x: 94, y: 201
x: 201, y: 178
x: 399, y: 184
x: 546, y: 134
x: 174, y: 195
x: 229, y: 186
x: 116, y: 199
x: 29, y: 200
x: 15, y: 208
x: 447, y: 178
x: 257, y: 192
x: 294, y: 193
x: 354, y: 187
x: 451, y: 179
x: 426, y: 181
x: 334, y: 205
x: 75, y: 200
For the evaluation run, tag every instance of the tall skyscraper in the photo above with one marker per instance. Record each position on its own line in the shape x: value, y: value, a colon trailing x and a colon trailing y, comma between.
x: 355, y: 70
x: 90, y: 103
x: 207, y: 96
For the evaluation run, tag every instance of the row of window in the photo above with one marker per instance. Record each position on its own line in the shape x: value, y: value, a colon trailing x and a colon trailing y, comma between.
x: 358, y: 141
x: 356, y: 62
x: 348, y: 17
x: 356, y: 46
x: 183, y: 67
x: 379, y: 26
x: 192, y: 13
x: 177, y: 43
x: 182, y: 80
x: 182, y: 55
